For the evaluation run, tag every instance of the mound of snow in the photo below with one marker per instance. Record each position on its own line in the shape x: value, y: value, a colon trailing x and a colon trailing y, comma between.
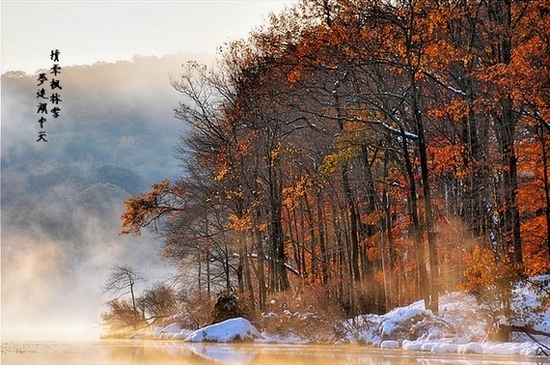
x: 226, y: 331
x: 389, y: 344
x: 471, y: 348
x: 406, y: 323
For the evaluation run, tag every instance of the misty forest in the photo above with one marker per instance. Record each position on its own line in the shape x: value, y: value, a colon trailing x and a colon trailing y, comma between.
x: 349, y: 156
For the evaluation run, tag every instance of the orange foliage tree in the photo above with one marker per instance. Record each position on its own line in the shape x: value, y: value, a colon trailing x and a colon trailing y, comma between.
x: 343, y: 141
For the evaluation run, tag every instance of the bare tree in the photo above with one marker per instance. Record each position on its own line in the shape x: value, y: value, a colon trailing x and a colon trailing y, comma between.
x: 122, y: 280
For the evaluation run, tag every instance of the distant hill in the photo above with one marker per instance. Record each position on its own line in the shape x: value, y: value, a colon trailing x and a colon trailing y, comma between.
x: 112, y: 113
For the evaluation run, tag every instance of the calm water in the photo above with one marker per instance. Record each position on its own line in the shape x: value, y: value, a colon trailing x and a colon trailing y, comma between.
x: 169, y: 352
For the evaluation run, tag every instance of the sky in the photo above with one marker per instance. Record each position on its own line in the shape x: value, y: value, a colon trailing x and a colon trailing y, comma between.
x: 86, y: 32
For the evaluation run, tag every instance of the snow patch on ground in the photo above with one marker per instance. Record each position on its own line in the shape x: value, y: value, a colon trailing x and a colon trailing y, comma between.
x: 460, y: 327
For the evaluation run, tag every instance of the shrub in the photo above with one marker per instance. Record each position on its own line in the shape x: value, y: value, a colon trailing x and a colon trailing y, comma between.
x: 159, y: 301
x: 121, y: 319
x: 227, y: 306
x: 491, y: 280
x: 309, y: 315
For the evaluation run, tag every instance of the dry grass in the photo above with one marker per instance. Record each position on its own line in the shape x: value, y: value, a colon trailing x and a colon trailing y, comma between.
x: 307, y: 315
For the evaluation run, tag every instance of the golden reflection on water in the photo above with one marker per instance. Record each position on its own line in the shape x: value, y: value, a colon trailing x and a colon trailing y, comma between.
x: 174, y: 352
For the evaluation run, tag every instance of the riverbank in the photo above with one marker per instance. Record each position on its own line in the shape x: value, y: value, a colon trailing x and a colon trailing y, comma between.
x: 462, y: 326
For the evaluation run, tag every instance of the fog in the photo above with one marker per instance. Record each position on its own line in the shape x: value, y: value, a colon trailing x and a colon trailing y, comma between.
x: 52, y: 285
x: 61, y: 200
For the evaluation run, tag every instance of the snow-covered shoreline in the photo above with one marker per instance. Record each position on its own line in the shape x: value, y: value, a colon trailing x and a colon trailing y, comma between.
x: 458, y: 328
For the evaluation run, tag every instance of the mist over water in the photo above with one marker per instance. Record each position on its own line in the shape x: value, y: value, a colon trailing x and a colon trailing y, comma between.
x: 51, y: 287
x: 62, y: 200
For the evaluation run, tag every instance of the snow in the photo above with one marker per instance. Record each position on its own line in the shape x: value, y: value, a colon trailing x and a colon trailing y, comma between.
x: 389, y: 345
x: 460, y: 327
x: 397, y: 131
x: 173, y: 331
x: 226, y: 331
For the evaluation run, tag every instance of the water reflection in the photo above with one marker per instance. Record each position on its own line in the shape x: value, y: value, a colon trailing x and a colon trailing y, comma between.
x: 166, y: 352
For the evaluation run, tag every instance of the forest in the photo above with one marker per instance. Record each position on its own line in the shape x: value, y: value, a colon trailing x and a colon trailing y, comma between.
x: 369, y: 153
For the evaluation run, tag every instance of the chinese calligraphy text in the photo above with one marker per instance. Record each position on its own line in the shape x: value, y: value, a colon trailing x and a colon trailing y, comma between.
x: 54, y: 98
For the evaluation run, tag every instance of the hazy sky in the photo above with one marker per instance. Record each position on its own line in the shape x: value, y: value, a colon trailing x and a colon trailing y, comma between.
x: 89, y: 31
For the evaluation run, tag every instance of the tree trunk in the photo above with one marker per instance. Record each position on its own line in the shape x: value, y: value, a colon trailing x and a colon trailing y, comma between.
x: 257, y: 237
x: 545, y: 156
x: 424, y: 171
x: 322, y: 244
x: 278, y: 280
x: 352, y: 211
x: 416, y: 227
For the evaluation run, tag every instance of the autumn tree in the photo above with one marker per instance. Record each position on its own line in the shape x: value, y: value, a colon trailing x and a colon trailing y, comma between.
x: 528, y: 85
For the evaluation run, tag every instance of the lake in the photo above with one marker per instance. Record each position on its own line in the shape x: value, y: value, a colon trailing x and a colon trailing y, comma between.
x: 176, y: 352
